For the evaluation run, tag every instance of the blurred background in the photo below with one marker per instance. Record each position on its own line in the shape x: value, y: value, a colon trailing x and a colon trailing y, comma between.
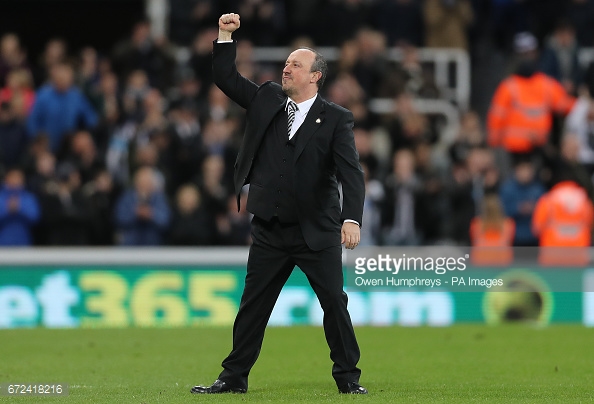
x: 112, y: 132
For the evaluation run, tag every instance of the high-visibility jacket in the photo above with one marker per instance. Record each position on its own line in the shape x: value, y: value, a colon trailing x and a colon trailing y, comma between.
x: 492, y: 246
x: 562, y: 221
x: 519, y: 118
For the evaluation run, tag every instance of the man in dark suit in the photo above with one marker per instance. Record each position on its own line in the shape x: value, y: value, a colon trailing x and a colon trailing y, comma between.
x: 295, y: 148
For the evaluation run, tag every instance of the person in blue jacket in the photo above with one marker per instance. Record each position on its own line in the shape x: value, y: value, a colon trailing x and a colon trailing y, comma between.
x: 60, y: 108
x: 519, y: 195
x: 142, y: 213
x: 19, y: 211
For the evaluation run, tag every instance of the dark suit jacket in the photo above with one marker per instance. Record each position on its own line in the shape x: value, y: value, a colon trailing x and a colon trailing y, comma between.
x: 324, y: 153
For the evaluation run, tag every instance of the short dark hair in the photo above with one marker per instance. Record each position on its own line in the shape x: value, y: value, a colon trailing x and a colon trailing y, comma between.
x: 319, y: 65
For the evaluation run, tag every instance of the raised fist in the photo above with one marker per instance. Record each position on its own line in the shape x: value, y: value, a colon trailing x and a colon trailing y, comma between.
x: 229, y: 22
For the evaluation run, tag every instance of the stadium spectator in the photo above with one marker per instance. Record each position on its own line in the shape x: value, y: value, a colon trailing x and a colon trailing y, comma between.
x: 141, y: 52
x: 60, y: 108
x: 408, y: 127
x: 447, y: 23
x: 55, y: 53
x: 185, y: 144
x: 43, y: 174
x: 580, y: 122
x: 581, y: 15
x: 347, y: 58
x: 470, y: 136
x: 568, y: 162
x: 192, y: 224
x: 12, y: 56
x: 88, y: 77
x: 430, y: 202
x: 461, y: 205
x: 66, y: 213
x: 564, y: 217
x: 153, y: 117
x: 234, y: 227
x: 136, y: 90
x: 200, y: 60
x: 19, y: 89
x: 13, y: 137
x: 560, y: 58
x: 102, y: 194
x: 544, y: 15
x: 371, y: 63
x: 492, y: 234
x: 363, y: 143
x: 483, y: 174
x: 83, y: 154
x: 401, y: 20
x: 519, y: 117
x: 142, y: 213
x: 211, y: 182
x: 519, y: 195
x: 108, y: 104
x: 187, y: 89
x: 346, y: 91
x: 218, y: 107
x: 19, y: 211
x: 372, y: 209
x: 37, y: 147
x: 399, y: 214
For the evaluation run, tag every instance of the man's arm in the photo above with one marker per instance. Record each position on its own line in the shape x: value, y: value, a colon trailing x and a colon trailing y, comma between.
x: 350, y: 175
x: 225, y: 74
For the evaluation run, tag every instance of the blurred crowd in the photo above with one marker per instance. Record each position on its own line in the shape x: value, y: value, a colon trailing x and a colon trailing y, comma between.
x: 136, y: 146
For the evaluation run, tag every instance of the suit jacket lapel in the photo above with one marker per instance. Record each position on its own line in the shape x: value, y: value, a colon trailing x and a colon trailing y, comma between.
x: 313, y: 120
x: 268, y: 115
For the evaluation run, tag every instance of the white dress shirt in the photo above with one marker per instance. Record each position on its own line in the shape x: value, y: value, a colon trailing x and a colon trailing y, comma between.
x: 302, y: 110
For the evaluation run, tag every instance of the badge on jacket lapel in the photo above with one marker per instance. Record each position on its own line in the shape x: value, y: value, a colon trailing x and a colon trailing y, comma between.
x: 318, y: 120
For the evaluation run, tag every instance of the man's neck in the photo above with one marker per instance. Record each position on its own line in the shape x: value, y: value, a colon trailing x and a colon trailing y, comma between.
x: 299, y: 98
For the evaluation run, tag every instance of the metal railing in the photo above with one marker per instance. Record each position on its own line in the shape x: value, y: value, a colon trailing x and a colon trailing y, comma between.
x: 442, y: 59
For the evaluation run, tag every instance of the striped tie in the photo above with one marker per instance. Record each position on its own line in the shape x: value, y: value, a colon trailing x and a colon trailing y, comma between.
x: 292, y: 107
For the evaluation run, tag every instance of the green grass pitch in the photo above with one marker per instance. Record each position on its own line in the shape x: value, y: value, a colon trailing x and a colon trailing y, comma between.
x: 460, y: 364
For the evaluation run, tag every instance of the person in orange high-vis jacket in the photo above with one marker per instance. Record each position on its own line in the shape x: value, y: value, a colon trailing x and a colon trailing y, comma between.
x: 520, y: 116
x: 492, y: 235
x: 562, y: 221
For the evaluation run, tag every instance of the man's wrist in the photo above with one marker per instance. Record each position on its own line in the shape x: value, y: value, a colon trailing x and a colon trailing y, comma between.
x: 224, y: 36
x: 352, y: 221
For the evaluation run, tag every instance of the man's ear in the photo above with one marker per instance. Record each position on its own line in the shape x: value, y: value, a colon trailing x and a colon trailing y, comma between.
x: 316, y: 77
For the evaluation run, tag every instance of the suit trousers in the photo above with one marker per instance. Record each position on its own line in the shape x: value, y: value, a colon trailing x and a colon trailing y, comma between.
x: 276, y: 249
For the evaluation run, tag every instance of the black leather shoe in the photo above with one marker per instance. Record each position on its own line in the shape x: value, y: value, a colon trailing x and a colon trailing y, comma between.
x: 217, y: 387
x: 352, y: 388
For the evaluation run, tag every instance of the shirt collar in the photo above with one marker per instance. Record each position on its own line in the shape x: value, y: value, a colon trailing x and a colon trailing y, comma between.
x: 304, y: 106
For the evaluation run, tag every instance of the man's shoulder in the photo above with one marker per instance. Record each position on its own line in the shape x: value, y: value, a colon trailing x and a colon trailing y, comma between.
x: 269, y: 90
x: 45, y: 91
x: 336, y: 108
x: 270, y: 86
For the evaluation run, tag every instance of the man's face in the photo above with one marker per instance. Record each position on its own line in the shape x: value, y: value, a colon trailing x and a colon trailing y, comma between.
x: 62, y: 77
x: 297, y: 75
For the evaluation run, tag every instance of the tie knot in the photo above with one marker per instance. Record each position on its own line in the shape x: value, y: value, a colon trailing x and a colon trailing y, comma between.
x: 292, y: 107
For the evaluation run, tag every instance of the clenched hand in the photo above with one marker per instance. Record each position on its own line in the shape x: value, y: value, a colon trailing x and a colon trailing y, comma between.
x: 350, y: 235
